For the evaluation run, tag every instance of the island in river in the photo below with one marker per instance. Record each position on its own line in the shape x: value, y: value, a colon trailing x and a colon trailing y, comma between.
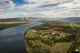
x: 51, y: 37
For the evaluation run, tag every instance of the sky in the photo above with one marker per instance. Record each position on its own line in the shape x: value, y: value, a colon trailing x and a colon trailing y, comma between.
x: 39, y: 8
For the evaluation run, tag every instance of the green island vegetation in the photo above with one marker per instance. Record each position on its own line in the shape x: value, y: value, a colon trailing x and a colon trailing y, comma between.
x: 4, y: 25
x: 51, y: 37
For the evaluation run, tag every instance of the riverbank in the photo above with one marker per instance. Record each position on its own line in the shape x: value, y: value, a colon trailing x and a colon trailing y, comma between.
x: 4, y: 25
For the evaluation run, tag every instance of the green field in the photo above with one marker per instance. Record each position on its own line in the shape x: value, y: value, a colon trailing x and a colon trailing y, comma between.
x: 4, y: 25
x: 43, y: 45
x: 50, y: 37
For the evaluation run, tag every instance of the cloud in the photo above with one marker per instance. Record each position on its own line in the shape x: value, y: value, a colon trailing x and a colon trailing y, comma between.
x: 6, y: 4
x: 50, y: 5
x: 12, y: 15
x: 46, y: 2
x: 27, y: 7
x: 43, y: 8
x: 47, y: 5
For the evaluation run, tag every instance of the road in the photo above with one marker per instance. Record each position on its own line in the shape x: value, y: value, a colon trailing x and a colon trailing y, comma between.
x: 75, y: 44
x: 12, y: 39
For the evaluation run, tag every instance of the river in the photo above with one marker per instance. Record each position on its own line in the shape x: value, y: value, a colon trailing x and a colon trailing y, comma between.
x: 12, y: 39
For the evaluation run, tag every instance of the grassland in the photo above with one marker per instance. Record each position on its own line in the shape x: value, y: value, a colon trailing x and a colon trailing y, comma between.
x: 50, y: 37
x: 4, y: 25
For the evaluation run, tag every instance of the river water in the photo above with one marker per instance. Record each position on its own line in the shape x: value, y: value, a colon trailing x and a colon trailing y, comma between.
x: 12, y: 39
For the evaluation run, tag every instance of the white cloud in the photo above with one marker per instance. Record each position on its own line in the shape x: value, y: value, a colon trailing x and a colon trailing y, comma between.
x: 12, y: 15
x: 11, y: 4
x: 1, y: 10
x: 27, y: 7
x: 51, y: 4
x: 52, y: 14
x: 44, y: 8
x: 47, y: 1
x: 6, y: 4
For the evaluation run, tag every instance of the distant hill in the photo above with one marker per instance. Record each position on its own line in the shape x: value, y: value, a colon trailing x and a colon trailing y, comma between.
x: 71, y: 19
x: 12, y: 19
x: 66, y: 19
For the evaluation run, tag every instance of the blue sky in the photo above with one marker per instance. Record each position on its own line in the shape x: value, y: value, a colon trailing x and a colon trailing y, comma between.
x: 19, y: 2
x: 43, y: 8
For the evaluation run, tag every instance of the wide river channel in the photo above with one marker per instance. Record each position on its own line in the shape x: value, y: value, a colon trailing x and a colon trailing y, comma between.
x: 12, y: 39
